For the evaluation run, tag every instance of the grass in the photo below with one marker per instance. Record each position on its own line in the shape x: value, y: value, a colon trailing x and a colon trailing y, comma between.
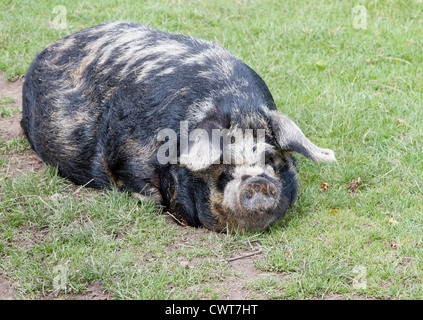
x: 7, y: 107
x: 358, y: 91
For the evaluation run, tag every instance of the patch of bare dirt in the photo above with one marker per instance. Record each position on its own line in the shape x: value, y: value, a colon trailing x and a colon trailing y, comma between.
x: 245, y: 273
x: 95, y: 291
x: 8, y: 290
x: 10, y: 128
x: 21, y: 164
x: 11, y: 89
x: 238, y: 282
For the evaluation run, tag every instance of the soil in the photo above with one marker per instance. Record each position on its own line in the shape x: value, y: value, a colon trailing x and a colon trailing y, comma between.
x: 10, y: 128
x: 8, y: 291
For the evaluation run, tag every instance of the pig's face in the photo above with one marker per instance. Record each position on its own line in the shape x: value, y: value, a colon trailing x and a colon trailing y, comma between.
x: 259, y: 183
x: 252, y: 196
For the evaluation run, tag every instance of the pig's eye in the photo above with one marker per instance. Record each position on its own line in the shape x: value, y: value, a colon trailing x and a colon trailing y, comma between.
x: 223, y: 179
x: 269, y: 158
x: 245, y: 177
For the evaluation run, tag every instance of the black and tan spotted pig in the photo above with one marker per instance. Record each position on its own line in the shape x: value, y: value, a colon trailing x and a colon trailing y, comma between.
x: 172, y: 118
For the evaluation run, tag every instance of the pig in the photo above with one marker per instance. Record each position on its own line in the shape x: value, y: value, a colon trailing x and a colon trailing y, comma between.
x: 125, y: 105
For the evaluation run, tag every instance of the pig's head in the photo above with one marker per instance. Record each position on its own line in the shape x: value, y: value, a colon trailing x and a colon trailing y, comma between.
x: 251, y: 175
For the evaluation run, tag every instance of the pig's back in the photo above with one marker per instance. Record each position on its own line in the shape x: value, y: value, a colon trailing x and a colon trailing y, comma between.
x: 96, y: 94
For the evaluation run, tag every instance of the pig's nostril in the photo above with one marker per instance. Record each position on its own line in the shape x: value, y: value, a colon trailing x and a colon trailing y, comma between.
x: 245, y: 177
x: 259, y: 195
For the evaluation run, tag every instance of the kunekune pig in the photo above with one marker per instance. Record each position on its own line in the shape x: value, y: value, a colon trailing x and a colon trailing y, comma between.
x: 101, y: 105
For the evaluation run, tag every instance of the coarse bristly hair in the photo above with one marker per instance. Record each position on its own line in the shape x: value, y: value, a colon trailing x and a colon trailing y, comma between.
x: 95, y: 102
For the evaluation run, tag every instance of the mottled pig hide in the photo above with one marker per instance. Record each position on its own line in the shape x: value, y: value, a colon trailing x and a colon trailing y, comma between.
x: 171, y: 118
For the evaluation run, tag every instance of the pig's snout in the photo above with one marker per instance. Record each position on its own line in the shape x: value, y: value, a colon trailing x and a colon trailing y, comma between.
x: 259, y: 195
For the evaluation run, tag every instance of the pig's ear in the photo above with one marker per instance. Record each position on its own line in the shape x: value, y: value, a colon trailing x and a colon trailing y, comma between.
x: 291, y: 138
x: 201, y: 150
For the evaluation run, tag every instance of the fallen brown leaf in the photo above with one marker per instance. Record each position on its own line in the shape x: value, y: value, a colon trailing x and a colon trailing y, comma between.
x: 333, y: 210
x: 354, y: 185
x: 394, y: 245
x: 324, y: 186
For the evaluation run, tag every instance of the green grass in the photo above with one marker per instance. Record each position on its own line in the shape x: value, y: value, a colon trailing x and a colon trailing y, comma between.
x: 358, y: 91
x: 8, y: 107
x: 17, y: 145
